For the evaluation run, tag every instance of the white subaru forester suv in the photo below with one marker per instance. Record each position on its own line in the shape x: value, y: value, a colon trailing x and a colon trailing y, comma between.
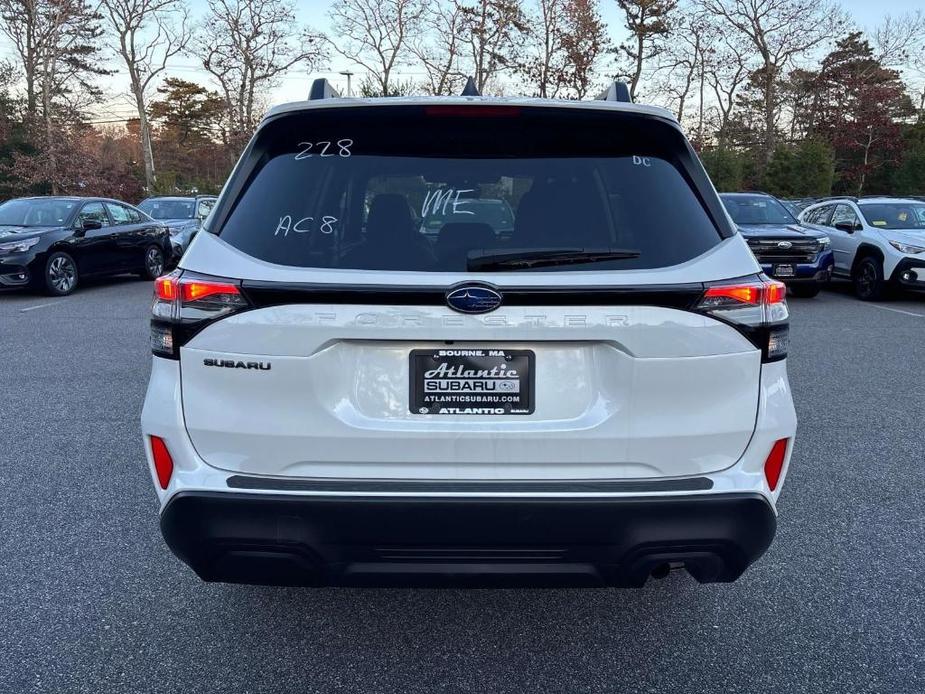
x: 593, y: 395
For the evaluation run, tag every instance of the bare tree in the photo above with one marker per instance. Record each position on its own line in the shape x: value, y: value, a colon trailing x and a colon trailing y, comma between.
x: 29, y: 26
x: 899, y: 42
x: 246, y: 45
x: 375, y: 34
x: 918, y: 64
x: 492, y: 30
x: 726, y: 73
x: 646, y: 21
x: 683, y: 58
x: 438, y: 47
x: 150, y: 33
x: 544, y: 65
x: 897, y: 39
x: 567, y: 40
x: 699, y: 69
x: 56, y: 42
x: 584, y: 41
x: 781, y: 31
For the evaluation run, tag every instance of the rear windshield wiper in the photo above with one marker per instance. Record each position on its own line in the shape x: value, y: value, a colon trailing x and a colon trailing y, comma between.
x: 519, y: 258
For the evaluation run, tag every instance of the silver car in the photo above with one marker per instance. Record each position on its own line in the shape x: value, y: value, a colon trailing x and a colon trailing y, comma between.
x: 183, y: 216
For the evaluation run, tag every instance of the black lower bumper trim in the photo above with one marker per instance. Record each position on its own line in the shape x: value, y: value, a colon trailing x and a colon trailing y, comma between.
x: 388, y: 541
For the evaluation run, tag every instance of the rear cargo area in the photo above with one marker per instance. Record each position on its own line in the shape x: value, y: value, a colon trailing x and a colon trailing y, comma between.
x: 625, y: 392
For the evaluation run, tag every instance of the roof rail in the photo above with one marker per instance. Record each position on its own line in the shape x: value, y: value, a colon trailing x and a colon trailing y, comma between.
x: 618, y: 91
x: 852, y: 198
x: 322, y: 89
x: 470, y: 89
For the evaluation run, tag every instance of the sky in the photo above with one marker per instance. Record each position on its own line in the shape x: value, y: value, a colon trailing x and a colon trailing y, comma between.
x: 294, y: 86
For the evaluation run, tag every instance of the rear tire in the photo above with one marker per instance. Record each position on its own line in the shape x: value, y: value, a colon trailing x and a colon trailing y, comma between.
x: 60, y: 274
x: 154, y: 263
x: 869, y: 284
x: 805, y: 291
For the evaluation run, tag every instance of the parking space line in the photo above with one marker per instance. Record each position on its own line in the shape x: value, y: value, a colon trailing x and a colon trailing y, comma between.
x: 898, y: 310
x: 32, y: 308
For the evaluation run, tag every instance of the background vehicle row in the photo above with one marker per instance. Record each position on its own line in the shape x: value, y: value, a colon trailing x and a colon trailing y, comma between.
x: 876, y: 242
x: 788, y: 251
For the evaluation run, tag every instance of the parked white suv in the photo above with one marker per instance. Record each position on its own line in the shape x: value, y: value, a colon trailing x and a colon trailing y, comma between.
x: 595, y: 397
x: 879, y: 242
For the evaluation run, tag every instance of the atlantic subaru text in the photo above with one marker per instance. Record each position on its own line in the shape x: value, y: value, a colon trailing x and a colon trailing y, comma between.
x: 576, y: 375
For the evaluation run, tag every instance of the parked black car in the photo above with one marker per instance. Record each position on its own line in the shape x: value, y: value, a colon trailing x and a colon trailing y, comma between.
x: 51, y: 243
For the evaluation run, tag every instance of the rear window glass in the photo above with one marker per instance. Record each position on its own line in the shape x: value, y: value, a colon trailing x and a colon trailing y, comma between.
x: 168, y: 209
x: 411, y: 188
x: 756, y: 209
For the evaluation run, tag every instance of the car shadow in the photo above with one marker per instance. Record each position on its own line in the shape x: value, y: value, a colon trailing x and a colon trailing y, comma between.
x: 845, y: 288
x: 86, y: 284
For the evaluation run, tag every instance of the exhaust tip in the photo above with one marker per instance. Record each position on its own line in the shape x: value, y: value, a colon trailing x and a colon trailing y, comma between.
x: 661, y: 571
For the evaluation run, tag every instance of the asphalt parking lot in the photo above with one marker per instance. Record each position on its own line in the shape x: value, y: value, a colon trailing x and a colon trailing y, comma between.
x: 93, y: 601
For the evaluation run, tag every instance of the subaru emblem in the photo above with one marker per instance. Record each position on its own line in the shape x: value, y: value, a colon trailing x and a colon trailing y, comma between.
x: 784, y: 245
x: 473, y: 298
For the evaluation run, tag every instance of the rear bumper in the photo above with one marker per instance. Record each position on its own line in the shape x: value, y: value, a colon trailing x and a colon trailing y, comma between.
x: 282, y: 539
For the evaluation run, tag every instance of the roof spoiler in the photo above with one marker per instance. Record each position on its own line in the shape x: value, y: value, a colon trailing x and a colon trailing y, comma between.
x: 322, y: 89
x: 618, y: 91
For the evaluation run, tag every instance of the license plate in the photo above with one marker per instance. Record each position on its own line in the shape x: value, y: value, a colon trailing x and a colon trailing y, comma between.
x: 783, y: 271
x: 472, y: 381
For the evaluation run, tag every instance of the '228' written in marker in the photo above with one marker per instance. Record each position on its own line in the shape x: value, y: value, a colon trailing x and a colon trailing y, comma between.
x: 325, y: 148
x: 305, y: 225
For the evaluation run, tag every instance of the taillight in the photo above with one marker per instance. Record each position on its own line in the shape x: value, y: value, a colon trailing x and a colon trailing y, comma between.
x: 757, y: 308
x: 774, y: 464
x: 163, y: 463
x: 184, y: 303
x: 199, y: 291
x: 165, y: 287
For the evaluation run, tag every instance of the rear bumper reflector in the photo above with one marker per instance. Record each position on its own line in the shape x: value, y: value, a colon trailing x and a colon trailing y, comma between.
x: 774, y: 464
x: 163, y: 463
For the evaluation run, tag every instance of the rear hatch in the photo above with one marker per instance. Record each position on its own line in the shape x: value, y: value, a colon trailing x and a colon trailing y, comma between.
x: 359, y: 343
